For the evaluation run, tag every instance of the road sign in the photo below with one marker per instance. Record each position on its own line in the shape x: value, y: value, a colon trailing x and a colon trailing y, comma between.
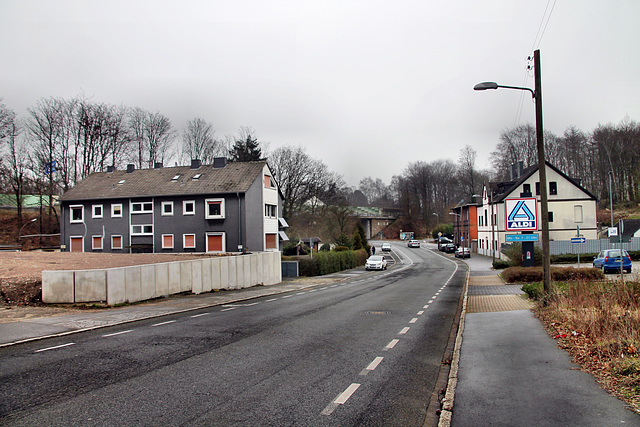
x: 521, y: 237
x: 522, y: 214
x: 578, y: 240
x: 613, y: 231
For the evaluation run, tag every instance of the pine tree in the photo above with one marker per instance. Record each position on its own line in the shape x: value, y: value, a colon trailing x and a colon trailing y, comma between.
x: 246, y: 150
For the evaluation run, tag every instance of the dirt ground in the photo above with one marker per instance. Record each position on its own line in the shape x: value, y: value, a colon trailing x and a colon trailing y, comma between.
x: 21, y: 272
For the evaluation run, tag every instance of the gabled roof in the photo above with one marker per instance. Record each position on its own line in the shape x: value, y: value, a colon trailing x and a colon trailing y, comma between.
x: 171, y: 181
x: 503, y: 189
x: 630, y: 226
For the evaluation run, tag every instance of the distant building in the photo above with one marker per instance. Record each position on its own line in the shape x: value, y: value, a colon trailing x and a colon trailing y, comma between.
x: 202, y: 208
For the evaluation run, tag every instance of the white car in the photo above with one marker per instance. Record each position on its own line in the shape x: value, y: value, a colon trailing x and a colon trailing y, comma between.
x: 413, y: 243
x: 462, y: 253
x: 386, y: 247
x: 376, y: 262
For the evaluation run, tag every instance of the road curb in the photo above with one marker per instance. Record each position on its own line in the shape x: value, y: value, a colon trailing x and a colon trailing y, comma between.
x: 446, y: 412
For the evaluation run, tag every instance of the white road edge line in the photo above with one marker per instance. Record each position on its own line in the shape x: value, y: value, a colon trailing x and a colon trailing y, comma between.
x: 271, y: 300
x: 342, y: 399
x: 392, y: 344
x: 55, y: 347
x: 373, y: 365
x: 199, y: 315
x: 414, y: 320
x: 230, y: 308
x: 164, y: 323
x: 404, y: 330
x: 420, y: 313
x: 117, y: 333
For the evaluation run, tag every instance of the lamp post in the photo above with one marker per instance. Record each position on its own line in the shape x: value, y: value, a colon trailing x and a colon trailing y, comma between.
x: 537, y: 96
x: 22, y: 228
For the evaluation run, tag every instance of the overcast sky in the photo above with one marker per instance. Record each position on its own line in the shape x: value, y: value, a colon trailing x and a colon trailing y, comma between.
x: 366, y: 86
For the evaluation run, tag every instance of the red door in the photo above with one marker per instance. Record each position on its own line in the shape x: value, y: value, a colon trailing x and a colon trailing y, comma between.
x: 214, y: 243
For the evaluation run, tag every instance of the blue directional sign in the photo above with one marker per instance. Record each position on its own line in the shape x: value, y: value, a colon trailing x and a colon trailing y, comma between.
x: 578, y: 240
x: 522, y: 214
x: 521, y: 237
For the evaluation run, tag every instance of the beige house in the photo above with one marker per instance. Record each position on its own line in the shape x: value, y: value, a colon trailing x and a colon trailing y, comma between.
x: 570, y: 207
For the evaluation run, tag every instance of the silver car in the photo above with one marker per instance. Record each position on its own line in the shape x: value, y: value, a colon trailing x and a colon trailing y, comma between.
x: 376, y: 262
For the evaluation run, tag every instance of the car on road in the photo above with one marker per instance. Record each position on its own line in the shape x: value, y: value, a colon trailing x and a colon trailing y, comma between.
x: 609, y: 260
x: 386, y: 247
x: 462, y: 253
x: 449, y: 248
x: 376, y: 262
x: 413, y: 243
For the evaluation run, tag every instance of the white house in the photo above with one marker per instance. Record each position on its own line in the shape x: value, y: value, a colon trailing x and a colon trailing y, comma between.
x: 570, y: 207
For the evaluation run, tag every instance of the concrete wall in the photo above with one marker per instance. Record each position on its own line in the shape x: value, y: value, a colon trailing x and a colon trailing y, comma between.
x: 139, y: 283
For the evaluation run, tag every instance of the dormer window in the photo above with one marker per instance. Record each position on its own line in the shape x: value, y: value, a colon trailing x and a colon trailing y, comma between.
x: 175, y: 178
x: 196, y: 176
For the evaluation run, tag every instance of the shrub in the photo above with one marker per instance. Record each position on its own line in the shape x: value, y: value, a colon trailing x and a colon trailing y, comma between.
x: 325, y: 247
x: 533, y: 290
x: 560, y: 274
x: 331, y: 262
x: 340, y: 248
x: 514, y: 252
x: 500, y: 264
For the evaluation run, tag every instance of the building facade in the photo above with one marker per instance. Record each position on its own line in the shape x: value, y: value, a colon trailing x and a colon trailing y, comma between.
x: 224, y: 207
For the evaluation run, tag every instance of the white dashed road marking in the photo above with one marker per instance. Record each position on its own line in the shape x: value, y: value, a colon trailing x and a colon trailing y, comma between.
x: 414, y: 320
x: 404, y: 331
x: 391, y: 344
x: 53, y: 348
x: 164, y: 323
x: 117, y: 333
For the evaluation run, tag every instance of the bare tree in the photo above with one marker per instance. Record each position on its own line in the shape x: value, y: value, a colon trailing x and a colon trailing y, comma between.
x: 198, y: 142
x: 467, y: 171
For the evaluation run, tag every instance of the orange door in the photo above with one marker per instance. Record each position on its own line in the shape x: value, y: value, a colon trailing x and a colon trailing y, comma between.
x: 214, y: 243
x: 76, y: 244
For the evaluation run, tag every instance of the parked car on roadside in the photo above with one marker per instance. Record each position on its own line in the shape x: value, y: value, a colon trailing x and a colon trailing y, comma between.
x: 376, y: 262
x: 386, y: 247
x: 413, y: 243
x: 462, y: 253
x: 609, y: 260
x: 449, y: 248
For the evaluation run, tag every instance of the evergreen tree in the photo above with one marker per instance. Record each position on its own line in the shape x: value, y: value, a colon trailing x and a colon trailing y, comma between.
x: 362, y: 237
x: 246, y: 149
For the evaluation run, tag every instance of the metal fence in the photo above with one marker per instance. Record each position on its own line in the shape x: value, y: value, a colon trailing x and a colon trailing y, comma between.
x: 559, y: 247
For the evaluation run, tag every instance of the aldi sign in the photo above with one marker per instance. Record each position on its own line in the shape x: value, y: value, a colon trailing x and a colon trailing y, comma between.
x: 522, y: 214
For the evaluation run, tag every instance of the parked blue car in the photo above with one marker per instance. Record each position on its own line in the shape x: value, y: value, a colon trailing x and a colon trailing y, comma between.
x: 609, y: 260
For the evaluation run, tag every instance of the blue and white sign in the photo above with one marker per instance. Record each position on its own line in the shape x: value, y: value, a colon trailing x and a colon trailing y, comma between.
x: 521, y: 237
x: 522, y: 214
x: 578, y: 240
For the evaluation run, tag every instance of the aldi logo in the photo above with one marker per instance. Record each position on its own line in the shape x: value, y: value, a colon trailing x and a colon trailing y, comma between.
x: 522, y: 214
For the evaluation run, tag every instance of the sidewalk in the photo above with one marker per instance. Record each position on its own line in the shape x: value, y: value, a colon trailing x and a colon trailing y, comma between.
x: 511, y: 373
x: 50, y: 326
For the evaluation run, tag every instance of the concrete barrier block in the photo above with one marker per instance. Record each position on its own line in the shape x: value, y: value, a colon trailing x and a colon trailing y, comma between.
x: 162, y: 279
x: 207, y: 283
x: 57, y: 287
x: 253, y: 269
x: 232, y: 272
x: 132, y: 283
x: 215, y: 273
x: 174, y: 277
x: 240, y: 280
x: 90, y: 285
x: 262, y: 278
x: 196, y: 276
x: 116, y: 293
x: 147, y: 281
x: 224, y: 273
x: 186, y: 275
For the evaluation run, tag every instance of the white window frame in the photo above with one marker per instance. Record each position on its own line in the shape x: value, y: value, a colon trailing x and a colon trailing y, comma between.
x: 93, y: 211
x: 184, y: 241
x: 93, y: 241
x: 113, y: 210
x: 121, y: 242
x: 184, y: 207
x: 172, y: 241
x: 270, y: 211
x: 216, y: 233
x: 71, y: 209
x: 206, y: 208
x: 578, y: 214
x: 142, y: 231
x: 162, y: 212
x: 145, y: 207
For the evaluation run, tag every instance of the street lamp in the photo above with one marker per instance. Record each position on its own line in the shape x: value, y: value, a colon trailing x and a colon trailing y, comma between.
x: 22, y: 228
x: 537, y: 96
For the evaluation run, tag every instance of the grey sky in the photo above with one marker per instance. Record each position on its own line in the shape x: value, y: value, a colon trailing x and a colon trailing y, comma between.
x: 366, y: 86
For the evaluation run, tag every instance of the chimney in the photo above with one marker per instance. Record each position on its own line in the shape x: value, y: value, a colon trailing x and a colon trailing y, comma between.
x: 195, y: 163
x: 157, y: 165
x: 131, y: 168
x: 219, y: 162
x: 110, y: 169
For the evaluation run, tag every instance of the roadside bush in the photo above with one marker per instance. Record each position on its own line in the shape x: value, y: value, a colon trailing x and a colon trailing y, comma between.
x: 560, y: 274
x: 325, y: 247
x: 500, y: 264
x: 340, y: 248
x: 330, y: 262
x: 533, y: 290
x: 514, y: 252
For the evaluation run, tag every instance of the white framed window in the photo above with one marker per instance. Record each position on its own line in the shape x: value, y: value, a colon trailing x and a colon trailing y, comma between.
x: 167, y: 241
x: 270, y: 211
x: 116, y: 242
x: 96, y: 211
x: 189, y: 207
x: 167, y: 209
x: 189, y: 241
x: 214, y: 208
x: 76, y: 214
x: 116, y: 210
x: 141, y: 207
x: 96, y: 243
x: 141, y: 229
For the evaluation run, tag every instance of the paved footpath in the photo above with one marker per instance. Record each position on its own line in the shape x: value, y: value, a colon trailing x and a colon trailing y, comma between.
x: 511, y: 373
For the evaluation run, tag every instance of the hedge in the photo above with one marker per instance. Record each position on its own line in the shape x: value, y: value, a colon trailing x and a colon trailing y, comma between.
x: 330, y: 262
x: 561, y: 274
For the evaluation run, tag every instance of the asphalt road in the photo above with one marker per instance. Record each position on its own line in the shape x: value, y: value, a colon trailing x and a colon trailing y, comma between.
x: 365, y: 351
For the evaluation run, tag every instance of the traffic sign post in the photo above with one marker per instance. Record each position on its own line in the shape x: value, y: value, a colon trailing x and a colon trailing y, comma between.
x: 577, y: 240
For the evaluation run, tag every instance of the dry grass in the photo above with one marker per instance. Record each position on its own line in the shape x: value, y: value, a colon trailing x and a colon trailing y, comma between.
x: 599, y: 324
